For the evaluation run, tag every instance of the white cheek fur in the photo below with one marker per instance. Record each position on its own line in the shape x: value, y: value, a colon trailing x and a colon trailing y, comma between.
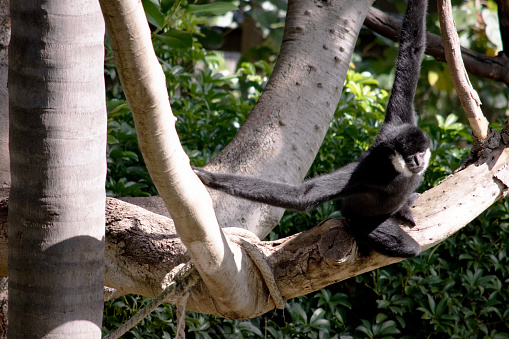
x: 399, y: 164
x: 427, y: 156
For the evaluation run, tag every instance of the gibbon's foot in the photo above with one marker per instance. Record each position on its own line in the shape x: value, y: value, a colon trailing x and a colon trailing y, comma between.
x: 386, y: 237
x: 405, y: 214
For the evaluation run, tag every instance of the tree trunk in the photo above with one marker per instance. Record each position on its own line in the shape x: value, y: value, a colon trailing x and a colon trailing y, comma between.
x: 57, y: 153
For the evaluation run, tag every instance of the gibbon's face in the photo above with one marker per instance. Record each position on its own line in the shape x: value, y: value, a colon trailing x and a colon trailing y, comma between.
x: 414, y: 164
x: 418, y: 162
x: 412, y: 152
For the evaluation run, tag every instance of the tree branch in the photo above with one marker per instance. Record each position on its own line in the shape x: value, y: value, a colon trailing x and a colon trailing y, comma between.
x: 466, y: 93
x: 496, y: 68
x: 327, y: 254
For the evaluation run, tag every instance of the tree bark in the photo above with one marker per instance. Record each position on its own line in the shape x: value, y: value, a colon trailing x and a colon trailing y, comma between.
x: 5, y: 172
x: 57, y: 155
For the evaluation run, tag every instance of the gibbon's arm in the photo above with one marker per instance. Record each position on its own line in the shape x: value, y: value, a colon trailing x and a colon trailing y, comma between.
x: 412, y: 43
x: 302, y: 197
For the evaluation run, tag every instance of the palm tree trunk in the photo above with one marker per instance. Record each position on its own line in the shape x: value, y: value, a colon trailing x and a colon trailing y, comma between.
x: 57, y: 153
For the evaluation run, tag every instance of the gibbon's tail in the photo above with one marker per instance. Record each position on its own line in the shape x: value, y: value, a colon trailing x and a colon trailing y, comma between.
x: 412, y: 43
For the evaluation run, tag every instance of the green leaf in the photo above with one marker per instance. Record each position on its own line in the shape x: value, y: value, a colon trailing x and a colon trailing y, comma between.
x: 175, y: 38
x: 501, y: 336
x: 298, y: 313
x: 216, y: 8
x: 451, y: 119
x: 248, y: 326
x: 441, y: 307
x: 380, y: 317
x: 112, y: 140
x: 432, y: 305
x: 317, y: 315
x: 154, y: 14
x: 365, y: 328
x: 166, y: 6
x: 389, y: 327
x: 274, y: 332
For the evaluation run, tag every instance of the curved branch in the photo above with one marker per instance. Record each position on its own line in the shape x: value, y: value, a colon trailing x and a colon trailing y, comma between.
x: 496, y: 68
x: 326, y: 254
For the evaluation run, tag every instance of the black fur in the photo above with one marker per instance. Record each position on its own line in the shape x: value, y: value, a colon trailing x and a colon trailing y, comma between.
x: 382, y: 184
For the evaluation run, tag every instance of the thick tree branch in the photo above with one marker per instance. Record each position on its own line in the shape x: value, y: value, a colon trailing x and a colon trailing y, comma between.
x: 466, y: 93
x: 326, y: 254
x: 496, y: 68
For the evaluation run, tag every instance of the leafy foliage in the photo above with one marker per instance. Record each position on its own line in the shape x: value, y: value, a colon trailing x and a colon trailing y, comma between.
x: 457, y: 289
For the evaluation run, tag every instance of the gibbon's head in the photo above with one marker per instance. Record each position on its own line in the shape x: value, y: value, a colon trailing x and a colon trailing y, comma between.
x: 411, y: 148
